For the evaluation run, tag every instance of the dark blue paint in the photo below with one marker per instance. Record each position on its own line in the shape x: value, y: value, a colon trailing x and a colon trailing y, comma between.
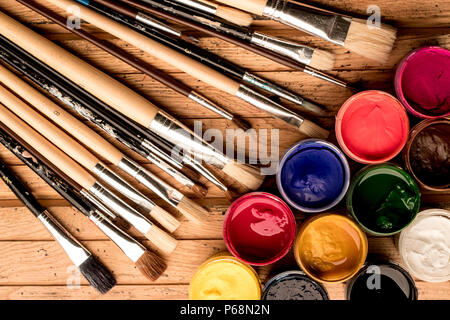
x: 313, y: 175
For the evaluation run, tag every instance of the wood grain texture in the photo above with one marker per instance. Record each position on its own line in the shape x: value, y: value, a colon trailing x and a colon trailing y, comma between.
x: 33, y: 266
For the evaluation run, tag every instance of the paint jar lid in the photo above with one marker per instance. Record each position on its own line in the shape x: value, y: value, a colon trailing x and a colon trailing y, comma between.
x: 259, y: 228
x: 381, y: 281
x: 422, y: 78
x: 425, y: 246
x: 372, y: 127
x: 224, y: 277
x: 378, y: 191
x: 293, y: 285
x: 319, y: 182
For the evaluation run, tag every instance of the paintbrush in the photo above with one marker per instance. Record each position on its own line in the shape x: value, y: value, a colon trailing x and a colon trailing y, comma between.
x: 373, y: 42
x: 124, y: 100
x: 212, y: 60
x: 140, y: 65
x: 312, y: 57
x: 159, y: 238
x: 93, y: 270
x: 199, y: 71
x: 148, y: 263
x: 209, y: 30
x: 95, y: 142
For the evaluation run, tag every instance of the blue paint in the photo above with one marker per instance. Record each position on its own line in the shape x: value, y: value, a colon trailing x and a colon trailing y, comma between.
x: 313, y: 175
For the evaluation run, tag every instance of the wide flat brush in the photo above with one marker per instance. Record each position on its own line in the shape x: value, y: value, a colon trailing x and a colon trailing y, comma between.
x: 123, y: 99
x: 148, y: 263
x: 158, y: 237
x: 93, y: 270
x: 356, y: 35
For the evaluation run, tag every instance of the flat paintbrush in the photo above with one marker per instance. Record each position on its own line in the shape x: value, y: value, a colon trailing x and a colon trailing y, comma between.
x: 147, y: 262
x: 125, y: 100
x: 159, y: 238
x: 93, y: 270
x: 357, y: 35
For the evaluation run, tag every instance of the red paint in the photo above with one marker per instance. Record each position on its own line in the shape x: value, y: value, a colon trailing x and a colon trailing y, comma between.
x: 372, y: 127
x: 259, y: 228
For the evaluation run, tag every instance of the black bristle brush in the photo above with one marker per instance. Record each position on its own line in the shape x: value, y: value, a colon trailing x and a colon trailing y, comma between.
x: 148, y: 263
x: 93, y: 270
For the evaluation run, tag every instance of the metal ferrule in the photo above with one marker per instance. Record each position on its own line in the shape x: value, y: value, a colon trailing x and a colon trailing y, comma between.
x: 198, y: 5
x: 137, y: 220
x: 324, y: 76
x: 170, y: 129
x: 154, y: 23
x: 127, y: 244
x: 157, y: 152
x: 327, y: 25
x: 76, y: 252
x: 122, y: 186
x: 261, y: 102
x: 197, y: 166
x: 209, y: 105
x: 98, y: 206
x: 148, y: 179
x: 293, y: 50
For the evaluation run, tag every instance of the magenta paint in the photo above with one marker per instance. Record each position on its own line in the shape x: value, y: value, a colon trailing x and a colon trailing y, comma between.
x: 422, y: 82
x: 259, y: 228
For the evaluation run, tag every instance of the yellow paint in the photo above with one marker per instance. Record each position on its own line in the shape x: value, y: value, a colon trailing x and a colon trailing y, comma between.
x: 224, y: 277
x: 330, y: 248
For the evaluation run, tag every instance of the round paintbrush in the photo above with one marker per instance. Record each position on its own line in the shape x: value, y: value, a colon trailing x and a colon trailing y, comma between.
x: 148, y: 263
x: 121, y: 98
x: 159, y: 238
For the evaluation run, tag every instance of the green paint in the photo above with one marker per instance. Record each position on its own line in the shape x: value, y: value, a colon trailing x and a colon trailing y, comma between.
x: 383, y: 199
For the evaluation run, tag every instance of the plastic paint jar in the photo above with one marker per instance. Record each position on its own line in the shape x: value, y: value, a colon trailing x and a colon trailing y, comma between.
x: 381, y: 282
x: 383, y: 199
x: 427, y: 155
x: 330, y: 248
x: 224, y: 277
x: 372, y: 127
x: 259, y: 228
x: 293, y: 285
x: 313, y: 175
x: 422, y: 82
x: 425, y: 246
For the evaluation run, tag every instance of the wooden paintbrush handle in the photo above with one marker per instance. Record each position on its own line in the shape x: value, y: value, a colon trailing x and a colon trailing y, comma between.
x: 86, y: 76
x: 252, y: 6
x: 58, y: 137
x: 172, y: 57
x: 45, y: 148
x: 61, y: 117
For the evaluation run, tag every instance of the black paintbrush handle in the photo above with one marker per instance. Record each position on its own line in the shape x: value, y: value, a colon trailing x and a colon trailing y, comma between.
x: 29, y: 157
x: 20, y: 190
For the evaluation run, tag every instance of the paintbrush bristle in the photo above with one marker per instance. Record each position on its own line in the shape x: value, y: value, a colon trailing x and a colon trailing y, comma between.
x: 199, y: 190
x: 235, y: 16
x: 229, y: 195
x: 247, y: 175
x: 190, y: 173
x: 121, y: 223
x: 165, y: 219
x: 369, y: 41
x: 151, y: 265
x: 322, y: 60
x: 161, y: 240
x: 313, y: 130
x: 192, y: 211
x: 97, y: 275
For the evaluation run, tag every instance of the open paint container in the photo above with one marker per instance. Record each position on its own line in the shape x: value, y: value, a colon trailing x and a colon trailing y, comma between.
x: 293, y: 285
x: 372, y: 127
x: 422, y: 82
x: 381, y: 282
x: 383, y: 199
x: 313, y: 175
x: 425, y: 246
x: 259, y: 228
x: 224, y: 277
x: 427, y: 155
x: 330, y: 248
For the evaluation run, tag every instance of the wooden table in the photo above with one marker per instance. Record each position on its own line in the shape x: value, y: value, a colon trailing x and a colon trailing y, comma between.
x: 32, y: 265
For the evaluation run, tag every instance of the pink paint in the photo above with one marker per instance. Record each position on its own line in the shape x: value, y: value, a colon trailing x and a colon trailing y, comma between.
x: 259, y: 228
x: 422, y: 82
x: 372, y: 127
